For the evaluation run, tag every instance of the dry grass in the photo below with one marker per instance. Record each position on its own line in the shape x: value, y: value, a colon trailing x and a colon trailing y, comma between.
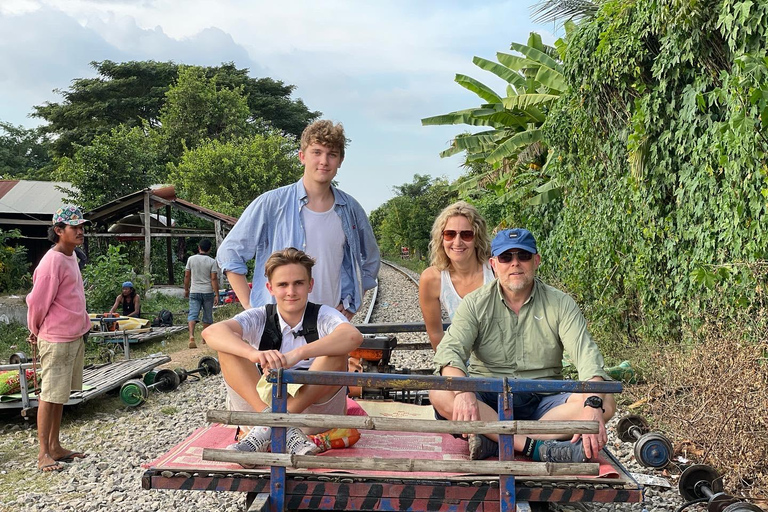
x: 712, y: 397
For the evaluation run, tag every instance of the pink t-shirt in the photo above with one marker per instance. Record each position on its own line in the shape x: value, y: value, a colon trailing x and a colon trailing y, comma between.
x: 57, y: 301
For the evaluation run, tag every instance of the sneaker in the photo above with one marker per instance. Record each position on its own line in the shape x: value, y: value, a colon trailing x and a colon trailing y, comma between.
x: 480, y: 447
x: 298, y: 443
x: 562, y: 451
x: 257, y: 440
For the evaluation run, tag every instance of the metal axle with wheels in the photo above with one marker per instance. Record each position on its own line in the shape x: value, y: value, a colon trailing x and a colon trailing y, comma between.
x: 652, y: 449
x: 703, y: 483
x: 205, y: 367
x: 135, y: 392
x: 18, y: 358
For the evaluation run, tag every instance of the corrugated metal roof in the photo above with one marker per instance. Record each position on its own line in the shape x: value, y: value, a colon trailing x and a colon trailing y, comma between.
x: 32, y: 197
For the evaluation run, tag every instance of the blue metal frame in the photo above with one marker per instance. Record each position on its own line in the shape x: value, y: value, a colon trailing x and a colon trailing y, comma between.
x: 505, y: 386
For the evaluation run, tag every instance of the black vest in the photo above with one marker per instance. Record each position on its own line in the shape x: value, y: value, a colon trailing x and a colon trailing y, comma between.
x: 128, y: 305
x: 272, y: 337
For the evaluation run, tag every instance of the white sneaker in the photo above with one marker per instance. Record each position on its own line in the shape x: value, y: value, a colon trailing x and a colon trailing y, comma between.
x: 298, y: 443
x: 257, y: 440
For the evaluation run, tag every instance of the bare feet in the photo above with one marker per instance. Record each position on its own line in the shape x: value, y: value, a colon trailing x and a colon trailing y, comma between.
x: 68, y: 455
x: 46, y: 464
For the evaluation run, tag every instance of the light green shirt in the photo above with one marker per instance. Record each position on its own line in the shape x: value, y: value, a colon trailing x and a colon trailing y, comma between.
x: 529, y: 345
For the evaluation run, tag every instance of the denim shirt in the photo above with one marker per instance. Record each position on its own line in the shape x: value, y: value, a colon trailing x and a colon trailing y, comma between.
x: 273, y: 222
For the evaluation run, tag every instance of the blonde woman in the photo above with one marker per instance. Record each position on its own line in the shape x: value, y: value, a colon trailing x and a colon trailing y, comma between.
x: 459, y: 254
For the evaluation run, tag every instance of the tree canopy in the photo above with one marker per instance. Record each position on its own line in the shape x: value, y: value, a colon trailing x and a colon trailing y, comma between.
x: 115, y: 164
x: 23, y: 153
x: 406, y: 219
x: 134, y: 93
x: 227, y: 176
x: 198, y: 109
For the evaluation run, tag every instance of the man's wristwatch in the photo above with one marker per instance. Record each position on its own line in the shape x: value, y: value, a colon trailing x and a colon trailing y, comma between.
x: 595, y: 402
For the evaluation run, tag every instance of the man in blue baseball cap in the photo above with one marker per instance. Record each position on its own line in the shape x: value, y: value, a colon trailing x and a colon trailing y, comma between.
x: 532, y: 324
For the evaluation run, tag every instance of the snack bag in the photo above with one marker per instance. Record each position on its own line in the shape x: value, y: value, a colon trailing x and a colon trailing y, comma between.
x: 335, y: 438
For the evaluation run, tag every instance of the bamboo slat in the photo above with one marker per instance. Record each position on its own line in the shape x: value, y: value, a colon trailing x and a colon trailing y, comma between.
x: 492, y: 467
x: 403, y: 425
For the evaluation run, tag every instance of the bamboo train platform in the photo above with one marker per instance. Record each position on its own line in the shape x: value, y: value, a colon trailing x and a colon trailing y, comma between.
x: 97, y: 380
x: 404, y: 460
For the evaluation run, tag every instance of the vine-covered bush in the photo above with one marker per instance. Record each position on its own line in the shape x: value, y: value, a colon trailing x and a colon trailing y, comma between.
x: 661, y: 142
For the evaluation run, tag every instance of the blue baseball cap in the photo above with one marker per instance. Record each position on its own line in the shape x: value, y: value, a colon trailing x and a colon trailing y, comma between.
x: 127, y: 284
x: 517, y: 238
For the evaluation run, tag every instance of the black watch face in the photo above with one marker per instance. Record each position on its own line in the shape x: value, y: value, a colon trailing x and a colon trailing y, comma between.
x: 594, y: 401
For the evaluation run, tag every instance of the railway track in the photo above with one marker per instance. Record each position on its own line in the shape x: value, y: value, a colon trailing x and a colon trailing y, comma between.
x: 396, y: 301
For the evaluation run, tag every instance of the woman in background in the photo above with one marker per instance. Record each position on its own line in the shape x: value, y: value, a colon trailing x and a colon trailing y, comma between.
x: 458, y: 254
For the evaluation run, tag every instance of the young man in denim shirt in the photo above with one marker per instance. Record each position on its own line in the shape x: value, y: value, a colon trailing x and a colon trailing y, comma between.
x: 313, y: 216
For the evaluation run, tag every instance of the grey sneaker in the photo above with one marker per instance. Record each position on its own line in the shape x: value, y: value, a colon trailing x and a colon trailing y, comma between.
x: 257, y: 440
x: 297, y: 443
x: 562, y: 451
x: 480, y: 447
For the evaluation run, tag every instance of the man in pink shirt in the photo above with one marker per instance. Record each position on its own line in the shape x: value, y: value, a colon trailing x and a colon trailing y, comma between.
x: 57, y: 321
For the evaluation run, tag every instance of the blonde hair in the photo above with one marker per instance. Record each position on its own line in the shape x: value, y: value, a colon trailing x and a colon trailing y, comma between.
x: 326, y: 133
x: 288, y: 256
x: 437, y: 256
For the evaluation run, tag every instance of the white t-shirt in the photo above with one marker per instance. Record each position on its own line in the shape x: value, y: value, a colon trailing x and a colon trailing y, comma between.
x: 201, y: 266
x: 252, y: 322
x: 325, y: 244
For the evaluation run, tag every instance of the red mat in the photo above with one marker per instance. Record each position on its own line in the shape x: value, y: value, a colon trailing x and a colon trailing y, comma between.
x: 187, y: 455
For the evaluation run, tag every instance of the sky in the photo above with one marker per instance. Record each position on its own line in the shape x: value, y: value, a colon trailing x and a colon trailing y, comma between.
x: 377, y: 67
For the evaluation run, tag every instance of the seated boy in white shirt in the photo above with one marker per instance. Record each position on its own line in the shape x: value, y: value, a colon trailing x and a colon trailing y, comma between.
x: 242, y: 343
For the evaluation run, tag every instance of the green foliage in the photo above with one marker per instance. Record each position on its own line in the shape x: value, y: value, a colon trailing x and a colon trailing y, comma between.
x: 104, y: 276
x: 514, y: 145
x: 14, y: 267
x: 116, y: 164
x: 133, y: 94
x: 406, y: 219
x: 23, y: 153
x: 227, y: 176
x: 661, y: 154
x: 198, y: 109
x: 13, y: 338
x: 151, y: 306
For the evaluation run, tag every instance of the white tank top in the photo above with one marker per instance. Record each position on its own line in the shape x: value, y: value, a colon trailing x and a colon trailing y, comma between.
x: 449, y: 299
x: 325, y: 243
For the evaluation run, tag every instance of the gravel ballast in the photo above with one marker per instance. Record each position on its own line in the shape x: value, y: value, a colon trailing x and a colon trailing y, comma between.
x: 119, y: 440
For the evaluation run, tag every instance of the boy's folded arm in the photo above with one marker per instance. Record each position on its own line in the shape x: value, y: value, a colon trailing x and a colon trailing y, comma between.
x: 341, y: 341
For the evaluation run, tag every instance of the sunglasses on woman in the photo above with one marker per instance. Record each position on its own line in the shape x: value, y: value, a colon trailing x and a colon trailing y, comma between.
x: 507, y: 257
x: 450, y: 234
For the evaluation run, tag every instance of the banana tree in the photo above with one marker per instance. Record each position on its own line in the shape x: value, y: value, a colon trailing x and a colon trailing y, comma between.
x: 513, y: 143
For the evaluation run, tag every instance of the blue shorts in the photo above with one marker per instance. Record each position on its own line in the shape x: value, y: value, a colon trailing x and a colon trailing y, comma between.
x: 198, y: 301
x: 525, y: 406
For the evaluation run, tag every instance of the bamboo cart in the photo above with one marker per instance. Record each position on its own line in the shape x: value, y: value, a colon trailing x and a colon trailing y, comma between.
x: 386, y: 480
x: 97, y: 380
x: 128, y: 337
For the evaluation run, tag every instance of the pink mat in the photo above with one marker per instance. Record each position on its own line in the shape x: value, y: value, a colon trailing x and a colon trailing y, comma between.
x: 187, y: 455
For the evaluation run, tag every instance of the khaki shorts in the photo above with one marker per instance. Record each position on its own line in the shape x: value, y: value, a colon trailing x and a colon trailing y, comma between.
x: 337, y: 405
x: 61, y: 369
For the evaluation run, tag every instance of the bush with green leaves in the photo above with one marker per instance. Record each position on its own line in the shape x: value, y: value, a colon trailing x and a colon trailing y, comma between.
x: 14, y: 267
x: 662, y: 139
x: 104, y: 276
